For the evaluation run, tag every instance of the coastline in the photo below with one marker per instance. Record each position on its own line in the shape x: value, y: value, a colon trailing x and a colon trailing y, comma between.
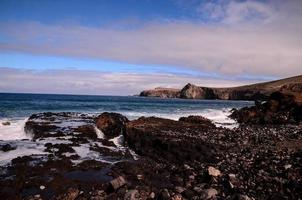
x: 74, y: 155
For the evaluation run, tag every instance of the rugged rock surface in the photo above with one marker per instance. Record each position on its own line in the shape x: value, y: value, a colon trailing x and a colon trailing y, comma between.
x: 172, y: 140
x: 279, y: 109
x: 260, y: 91
x: 194, y: 92
x: 161, y: 92
x: 111, y: 124
x: 195, y: 119
x: 185, y: 159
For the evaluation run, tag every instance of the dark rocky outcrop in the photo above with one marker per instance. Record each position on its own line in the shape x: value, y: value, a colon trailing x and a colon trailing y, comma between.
x: 161, y: 92
x: 185, y: 159
x: 173, y: 140
x: 194, y: 92
x: 111, y: 124
x: 260, y: 91
x: 280, y: 108
x: 194, y: 119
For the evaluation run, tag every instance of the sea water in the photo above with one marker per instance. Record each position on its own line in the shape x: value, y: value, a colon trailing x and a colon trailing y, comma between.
x: 16, y: 108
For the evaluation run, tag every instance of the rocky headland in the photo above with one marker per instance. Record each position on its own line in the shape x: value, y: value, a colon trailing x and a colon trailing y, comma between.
x: 260, y: 91
x: 110, y: 157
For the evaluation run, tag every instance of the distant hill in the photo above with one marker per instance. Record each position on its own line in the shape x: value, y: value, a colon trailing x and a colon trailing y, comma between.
x: 258, y: 91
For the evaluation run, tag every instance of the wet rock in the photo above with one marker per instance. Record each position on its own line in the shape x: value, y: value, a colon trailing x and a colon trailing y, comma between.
x: 197, y: 120
x: 87, y: 131
x: 279, y: 109
x: 5, y: 123
x: 7, y: 147
x: 209, y: 194
x: 173, y: 140
x: 111, y: 124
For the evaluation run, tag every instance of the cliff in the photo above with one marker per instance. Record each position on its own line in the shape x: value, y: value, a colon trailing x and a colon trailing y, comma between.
x: 161, y: 92
x: 259, y: 91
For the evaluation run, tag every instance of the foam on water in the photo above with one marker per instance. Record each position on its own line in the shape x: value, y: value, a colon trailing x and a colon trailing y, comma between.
x: 14, y: 131
x: 218, y: 116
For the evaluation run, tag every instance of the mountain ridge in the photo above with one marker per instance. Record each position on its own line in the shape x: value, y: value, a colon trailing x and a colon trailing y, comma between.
x: 257, y: 91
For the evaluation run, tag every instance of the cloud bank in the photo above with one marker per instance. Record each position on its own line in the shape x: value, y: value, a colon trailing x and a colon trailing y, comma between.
x: 94, y: 82
x: 247, y: 38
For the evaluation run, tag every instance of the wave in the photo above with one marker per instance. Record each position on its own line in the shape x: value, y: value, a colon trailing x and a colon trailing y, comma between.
x: 218, y: 116
x: 13, y: 130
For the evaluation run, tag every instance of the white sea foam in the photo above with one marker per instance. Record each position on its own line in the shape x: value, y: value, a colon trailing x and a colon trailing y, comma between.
x: 24, y: 148
x: 218, y: 116
x: 13, y: 131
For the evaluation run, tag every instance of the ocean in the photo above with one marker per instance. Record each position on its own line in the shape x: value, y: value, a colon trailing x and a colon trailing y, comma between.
x: 16, y: 108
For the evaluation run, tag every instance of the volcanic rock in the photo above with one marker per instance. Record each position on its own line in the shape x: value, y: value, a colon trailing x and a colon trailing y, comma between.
x: 279, y: 109
x: 111, y: 124
x: 197, y: 120
x: 173, y: 140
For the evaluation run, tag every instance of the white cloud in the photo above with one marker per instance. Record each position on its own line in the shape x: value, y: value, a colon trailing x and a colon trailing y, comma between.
x: 270, y: 44
x: 93, y: 82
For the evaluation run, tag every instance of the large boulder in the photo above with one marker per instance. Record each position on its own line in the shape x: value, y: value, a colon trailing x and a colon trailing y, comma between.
x: 175, y: 141
x: 111, y: 124
x: 280, y: 108
x: 194, y: 119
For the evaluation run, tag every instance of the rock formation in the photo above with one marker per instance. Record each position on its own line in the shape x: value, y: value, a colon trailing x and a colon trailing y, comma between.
x: 111, y: 124
x: 279, y: 109
x: 260, y: 91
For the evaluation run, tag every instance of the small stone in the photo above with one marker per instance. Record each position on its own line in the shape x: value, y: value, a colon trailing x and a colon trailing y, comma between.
x: 177, y: 197
x: 139, y: 177
x: 287, y: 166
x: 118, y: 182
x: 209, y: 193
x: 179, y: 189
x: 5, y: 123
x: 187, y: 167
x: 152, y: 195
x: 132, y: 195
x: 37, y: 196
x: 42, y: 187
x: 165, y: 195
x: 192, y: 177
x: 243, y: 197
x: 213, y: 171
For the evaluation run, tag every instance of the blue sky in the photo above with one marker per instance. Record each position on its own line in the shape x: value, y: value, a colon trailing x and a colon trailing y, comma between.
x: 140, y: 44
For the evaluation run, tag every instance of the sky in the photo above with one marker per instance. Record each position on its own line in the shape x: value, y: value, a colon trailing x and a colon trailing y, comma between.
x: 120, y: 47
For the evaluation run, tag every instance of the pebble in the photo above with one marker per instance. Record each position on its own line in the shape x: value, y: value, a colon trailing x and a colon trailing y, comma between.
x: 152, y: 195
x: 209, y: 193
x: 213, y: 171
x: 42, y: 187
x: 287, y: 166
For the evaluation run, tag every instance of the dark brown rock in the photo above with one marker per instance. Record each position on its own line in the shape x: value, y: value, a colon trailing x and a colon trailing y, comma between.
x: 161, y: 92
x: 279, y: 109
x: 259, y: 91
x: 173, y: 140
x: 111, y: 124
x: 197, y: 120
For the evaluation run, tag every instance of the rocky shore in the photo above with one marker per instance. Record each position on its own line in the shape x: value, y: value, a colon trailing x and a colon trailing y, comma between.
x: 259, y: 91
x: 80, y: 156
